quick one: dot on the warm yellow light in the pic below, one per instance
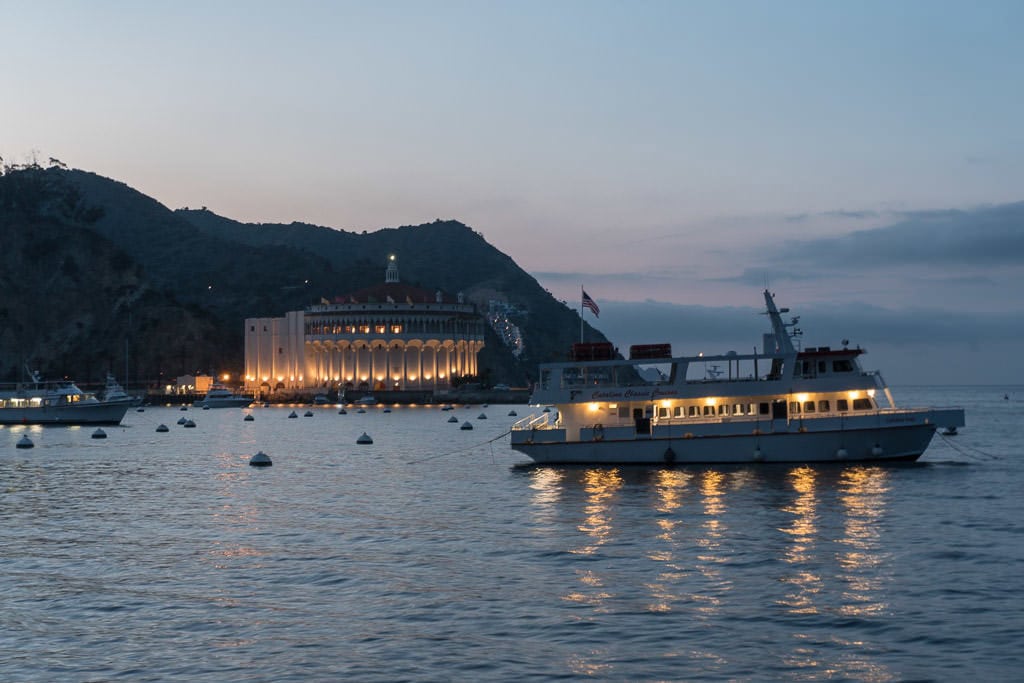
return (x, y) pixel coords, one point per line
(291, 378)
(280, 379)
(426, 377)
(802, 398)
(363, 378)
(613, 406)
(665, 403)
(854, 395)
(412, 378)
(592, 407)
(380, 378)
(225, 377)
(709, 401)
(871, 393)
(266, 378)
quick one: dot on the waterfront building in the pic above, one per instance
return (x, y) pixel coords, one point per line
(391, 336)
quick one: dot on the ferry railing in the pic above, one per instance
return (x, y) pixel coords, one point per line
(533, 422)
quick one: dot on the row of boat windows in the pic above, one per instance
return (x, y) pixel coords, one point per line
(724, 409)
(806, 368)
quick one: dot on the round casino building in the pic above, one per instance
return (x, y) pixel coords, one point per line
(390, 337)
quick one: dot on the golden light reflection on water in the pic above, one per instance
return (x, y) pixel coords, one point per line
(863, 492)
(600, 486)
(805, 584)
(546, 483)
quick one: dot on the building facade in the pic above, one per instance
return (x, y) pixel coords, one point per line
(388, 337)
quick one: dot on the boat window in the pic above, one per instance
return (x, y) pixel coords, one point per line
(763, 409)
(709, 410)
(844, 365)
(842, 404)
(678, 411)
(809, 406)
(822, 365)
(751, 409)
(862, 404)
(723, 409)
(794, 407)
(624, 411)
(694, 411)
(823, 406)
(662, 412)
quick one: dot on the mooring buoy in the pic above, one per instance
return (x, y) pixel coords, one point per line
(189, 424)
(364, 439)
(182, 420)
(248, 418)
(309, 413)
(481, 416)
(99, 434)
(261, 459)
(466, 425)
(513, 413)
(162, 428)
(24, 442)
(342, 412)
(292, 414)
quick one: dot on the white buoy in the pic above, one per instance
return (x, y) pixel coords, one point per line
(309, 413)
(162, 428)
(292, 414)
(261, 459)
(342, 412)
(466, 425)
(453, 419)
(99, 434)
(189, 424)
(481, 416)
(364, 439)
(182, 420)
(248, 418)
(24, 442)
(513, 413)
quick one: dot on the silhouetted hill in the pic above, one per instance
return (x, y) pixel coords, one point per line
(98, 270)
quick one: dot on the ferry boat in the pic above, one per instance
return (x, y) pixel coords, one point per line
(57, 403)
(783, 405)
(219, 396)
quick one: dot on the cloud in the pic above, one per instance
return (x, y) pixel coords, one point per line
(983, 237)
(860, 215)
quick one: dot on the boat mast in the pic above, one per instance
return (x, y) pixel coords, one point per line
(783, 344)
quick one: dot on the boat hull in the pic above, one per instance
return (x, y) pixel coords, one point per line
(899, 444)
(226, 403)
(76, 414)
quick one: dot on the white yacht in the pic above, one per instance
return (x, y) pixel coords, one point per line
(56, 403)
(115, 393)
(780, 405)
(219, 396)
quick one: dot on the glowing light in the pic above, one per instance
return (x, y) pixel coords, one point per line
(665, 403)
(802, 398)
(613, 406)
(593, 407)
(871, 393)
(280, 379)
(854, 395)
(709, 401)
(225, 377)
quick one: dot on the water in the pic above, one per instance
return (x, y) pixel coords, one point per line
(429, 556)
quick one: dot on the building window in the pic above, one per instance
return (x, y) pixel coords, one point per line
(396, 329)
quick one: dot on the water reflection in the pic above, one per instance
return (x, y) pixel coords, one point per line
(712, 542)
(805, 582)
(863, 491)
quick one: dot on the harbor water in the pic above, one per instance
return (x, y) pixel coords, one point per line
(431, 555)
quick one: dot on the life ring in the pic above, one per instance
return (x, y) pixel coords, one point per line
(599, 432)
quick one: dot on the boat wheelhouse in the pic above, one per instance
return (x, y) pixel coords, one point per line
(778, 405)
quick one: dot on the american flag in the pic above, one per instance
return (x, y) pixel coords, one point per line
(591, 304)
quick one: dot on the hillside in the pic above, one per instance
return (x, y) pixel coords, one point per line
(102, 271)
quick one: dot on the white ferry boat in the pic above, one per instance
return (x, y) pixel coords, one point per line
(219, 396)
(57, 403)
(780, 405)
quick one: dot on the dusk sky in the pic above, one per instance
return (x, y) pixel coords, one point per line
(865, 160)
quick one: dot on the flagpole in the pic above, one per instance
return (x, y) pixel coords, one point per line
(581, 314)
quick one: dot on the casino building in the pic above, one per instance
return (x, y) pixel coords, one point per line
(387, 337)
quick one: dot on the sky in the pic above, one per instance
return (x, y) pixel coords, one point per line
(863, 160)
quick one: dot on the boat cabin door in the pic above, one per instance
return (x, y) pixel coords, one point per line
(779, 410)
(643, 424)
